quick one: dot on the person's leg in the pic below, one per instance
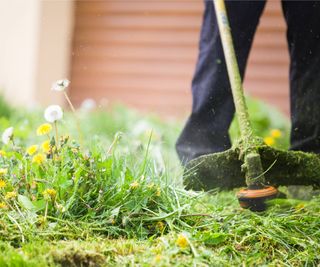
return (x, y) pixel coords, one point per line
(303, 36)
(206, 130)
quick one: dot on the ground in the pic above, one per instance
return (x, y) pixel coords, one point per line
(111, 194)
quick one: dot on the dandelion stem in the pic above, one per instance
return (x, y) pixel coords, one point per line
(114, 142)
(56, 131)
(69, 102)
(76, 117)
(13, 143)
(18, 225)
(19, 211)
(46, 211)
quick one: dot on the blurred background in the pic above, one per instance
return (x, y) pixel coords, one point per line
(140, 52)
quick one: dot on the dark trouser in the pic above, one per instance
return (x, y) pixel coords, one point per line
(206, 130)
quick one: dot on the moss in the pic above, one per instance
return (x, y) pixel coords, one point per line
(76, 256)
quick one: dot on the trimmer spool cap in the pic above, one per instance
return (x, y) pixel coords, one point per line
(255, 198)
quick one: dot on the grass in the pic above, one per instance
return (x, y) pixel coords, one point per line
(119, 201)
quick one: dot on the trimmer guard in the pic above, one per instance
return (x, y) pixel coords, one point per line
(223, 169)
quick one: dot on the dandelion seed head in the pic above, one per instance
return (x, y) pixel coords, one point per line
(7, 135)
(60, 85)
(53, 113)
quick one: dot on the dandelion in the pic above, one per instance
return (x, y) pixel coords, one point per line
(88, 105)
(157, 258)
(112, 221)
(3, 171)
(2, 184)
(32, 149)
(182, 241)
(3, 154)
(160, 226)
(269, 140)
(49, 193)
(300, 206)
(3, 206)
(61, 208)
(60, 85)
(75, 150)
(158, 192)
(46, 147)
(53, 113)
(10, 195)
(44, 128)
(134, 185)
(33, 185)
(276, 133)
(39, 159)
(7, 135)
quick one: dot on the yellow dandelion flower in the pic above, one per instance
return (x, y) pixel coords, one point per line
(3, 153)
(269, 140)
(157, 258)
(32, 149)
(39, 159)
(44, 129)
(182, 241)
(160, 226)
(10, 195)
(3, 206)
(2, 184)
(46, 147)
(49, 193)
(134, 185)
(300, 206)
(158, 192)
(276, 133)
(3, 171)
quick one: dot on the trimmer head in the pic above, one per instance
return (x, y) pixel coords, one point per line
(255, 198)
(261, 165)
(223, 169)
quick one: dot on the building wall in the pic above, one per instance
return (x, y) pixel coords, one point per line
(143, 53)
(34, 49)
(18, 48)
(54, 48)
(138, 52)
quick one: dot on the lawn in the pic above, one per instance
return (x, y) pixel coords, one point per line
(109, 192)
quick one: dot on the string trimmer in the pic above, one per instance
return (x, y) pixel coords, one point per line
(249, 162)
